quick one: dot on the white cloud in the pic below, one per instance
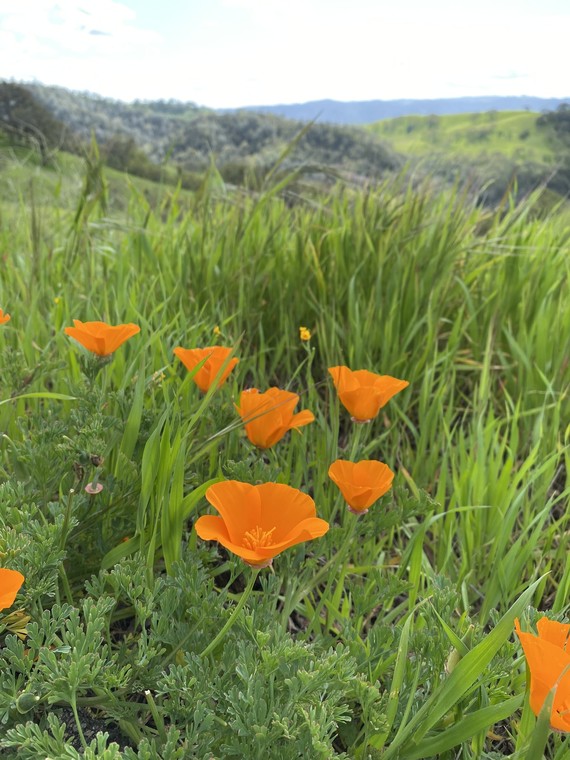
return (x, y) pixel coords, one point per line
(239, 52)
(67, 41)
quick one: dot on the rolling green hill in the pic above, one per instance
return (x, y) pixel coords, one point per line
(189, 137)
(59, 183)
(514, 134)
(490, 154)
(494, 152)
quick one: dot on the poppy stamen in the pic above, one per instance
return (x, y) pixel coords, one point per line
(256, 538)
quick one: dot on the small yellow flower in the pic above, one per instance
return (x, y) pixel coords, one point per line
(217, 330)
(304, 333)
(56, 300)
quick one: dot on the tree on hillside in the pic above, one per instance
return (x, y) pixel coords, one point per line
(121, 152)
(28, 122)
(558, 120)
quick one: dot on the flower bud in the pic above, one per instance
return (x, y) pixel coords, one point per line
(26, 702)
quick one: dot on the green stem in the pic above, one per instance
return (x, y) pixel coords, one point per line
(65, 583)
(287, 603)
(357, 427)
(333, 574)
(157, 717)
(233, 617)
(78, 722)
(66, 519)
(295, 599)
(332, 517)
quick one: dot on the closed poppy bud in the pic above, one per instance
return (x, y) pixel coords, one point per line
(452, 661)
(10, 583)
(258, 522)
(4, 317)
(455, 656)
(268, 416)
(548, 659)
(99, 337)
(26, 702)
(361, 483)
(217, 364)
(363, 393)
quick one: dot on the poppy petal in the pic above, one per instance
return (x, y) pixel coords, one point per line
(99, 337)
(309, 529)
(268, 416)
(549, 665)
(10, 583)
(258, 522)
(361, 483)
(217, 364)
(312, 527)
(283, 507)
(364, 393)
(553, 631)
(301, 419)
(239, 505)
(212, 528)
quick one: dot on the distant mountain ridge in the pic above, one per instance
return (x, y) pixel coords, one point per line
(369, 111)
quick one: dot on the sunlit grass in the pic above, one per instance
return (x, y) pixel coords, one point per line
(509, 133)
(471, 307)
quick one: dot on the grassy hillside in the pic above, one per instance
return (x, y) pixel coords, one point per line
(513, 134)
(488, 154)
(492, 152)
(390, 636)
(59, 183)
(189, 137)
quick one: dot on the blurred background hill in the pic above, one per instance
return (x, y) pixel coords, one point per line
(490, 152)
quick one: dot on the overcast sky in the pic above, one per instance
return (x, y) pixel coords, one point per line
(226, 53)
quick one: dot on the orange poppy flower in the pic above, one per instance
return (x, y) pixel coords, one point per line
(99, 337)
(216, 357)
(362, 392)
(4, 317)
(259, 522)
(548, 658)
(268, 416)
(361, 483)
(10, 582)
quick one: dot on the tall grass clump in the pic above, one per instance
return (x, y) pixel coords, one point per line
(390, 634)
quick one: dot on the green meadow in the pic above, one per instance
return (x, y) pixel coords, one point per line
(392, 635)
(514, 134)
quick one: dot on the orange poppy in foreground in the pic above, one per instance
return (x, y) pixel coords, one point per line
(216, 357)
(10, 583)
(548, 659)
(362, 392)
(99, 337)
(361, 483)
(258, 522)
(268, 416)
(4, 317)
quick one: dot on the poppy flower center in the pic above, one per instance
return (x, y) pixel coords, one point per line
(256, 538)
